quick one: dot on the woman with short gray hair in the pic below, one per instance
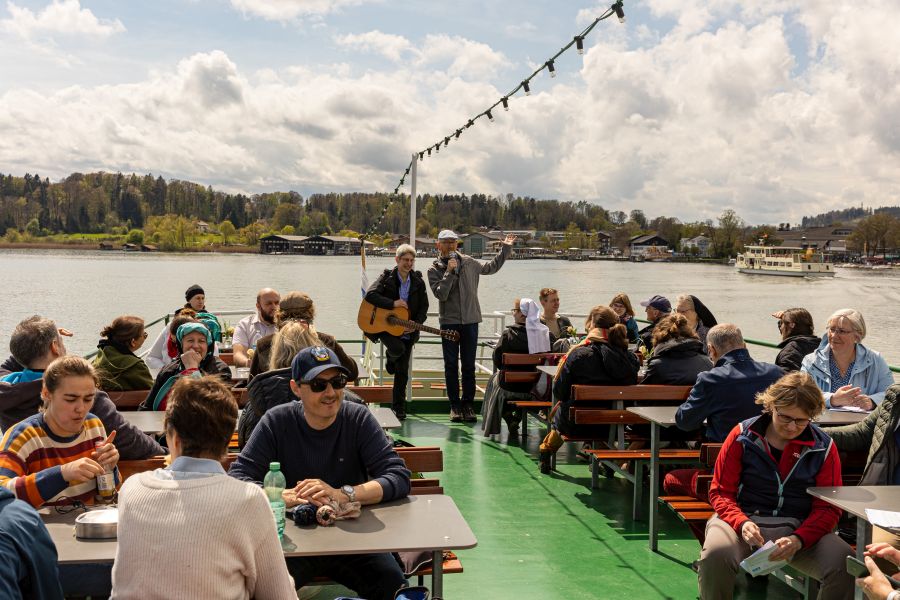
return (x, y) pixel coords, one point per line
(848, 373)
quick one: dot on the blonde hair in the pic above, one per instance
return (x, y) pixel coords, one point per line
(288, 341)
(853, 316)
(795, 389)
(67, 366)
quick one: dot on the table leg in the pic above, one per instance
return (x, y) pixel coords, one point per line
(637, 504)
(437, 574)
(863, 538)
(654, 484)
(620, 405)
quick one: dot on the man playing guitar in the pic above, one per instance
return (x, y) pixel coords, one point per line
(404, 288)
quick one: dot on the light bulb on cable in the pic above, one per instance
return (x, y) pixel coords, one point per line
(490, 116)
(505, 101)
(620, 12)
(551, 68)
(526, 88)
(579, 45)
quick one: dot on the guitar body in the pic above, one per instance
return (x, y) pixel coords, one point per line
(372, 319)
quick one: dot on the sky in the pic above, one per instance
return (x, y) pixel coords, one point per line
(773, 108)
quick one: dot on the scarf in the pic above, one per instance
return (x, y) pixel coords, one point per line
(24, 376)
(538, 333)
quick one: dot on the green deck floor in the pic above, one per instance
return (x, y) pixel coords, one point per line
(549, 536)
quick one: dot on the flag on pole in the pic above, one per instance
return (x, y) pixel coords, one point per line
(363, 278)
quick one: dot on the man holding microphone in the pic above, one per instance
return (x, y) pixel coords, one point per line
(453, 278)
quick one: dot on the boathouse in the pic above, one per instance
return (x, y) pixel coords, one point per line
(282, 244)
(642, 244)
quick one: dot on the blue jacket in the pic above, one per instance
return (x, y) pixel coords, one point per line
(870, 373)
(726, 394)
(28, 568)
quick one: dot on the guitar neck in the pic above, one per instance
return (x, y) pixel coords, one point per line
(413, 325)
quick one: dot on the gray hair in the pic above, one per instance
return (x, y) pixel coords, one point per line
(852, 315)
(404, 249)
(30, 340)
(685, 298)
(725, 337)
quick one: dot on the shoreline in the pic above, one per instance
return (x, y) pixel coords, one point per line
(92, 246)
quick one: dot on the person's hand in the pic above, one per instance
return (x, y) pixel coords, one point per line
(83, 469)
(64, 332)
(787, 548)
(452, 264)
(510, 239)
(315, 491)
(107, 455)
(845, 395)
(864, 402)
(885, 551)
(400, 304)
(191, 359)
(750, 534)
(876, 585)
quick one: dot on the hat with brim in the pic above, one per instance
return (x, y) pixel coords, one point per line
(660, 303)
(447, 234)
(309, 362)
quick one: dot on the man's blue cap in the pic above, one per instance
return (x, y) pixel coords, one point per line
(660, 303)
(309, 362)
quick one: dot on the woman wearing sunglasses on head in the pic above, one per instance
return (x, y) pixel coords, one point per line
(759, 494)
(848, 373)
(797, 338)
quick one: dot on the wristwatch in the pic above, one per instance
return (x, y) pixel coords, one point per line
(350, 492)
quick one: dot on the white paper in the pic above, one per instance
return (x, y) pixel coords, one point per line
(758, 563)
(886, 519)
(848, 408)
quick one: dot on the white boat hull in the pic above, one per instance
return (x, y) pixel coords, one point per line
(787, 273)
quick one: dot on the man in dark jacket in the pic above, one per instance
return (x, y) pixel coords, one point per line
(797, 337)
(400, 287)
(35, 343)
(656, 308)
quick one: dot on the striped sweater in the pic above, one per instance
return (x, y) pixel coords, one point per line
(31, 457)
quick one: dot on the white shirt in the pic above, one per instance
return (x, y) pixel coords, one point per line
(249, 329)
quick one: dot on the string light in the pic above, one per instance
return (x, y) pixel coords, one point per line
(578, 41)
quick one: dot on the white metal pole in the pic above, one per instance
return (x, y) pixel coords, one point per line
(412, 201)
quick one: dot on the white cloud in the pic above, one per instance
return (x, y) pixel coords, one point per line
(521, 30)
(60, 18)
(287, 10)
(684, 122)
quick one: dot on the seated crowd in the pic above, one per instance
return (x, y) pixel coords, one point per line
(62, 435)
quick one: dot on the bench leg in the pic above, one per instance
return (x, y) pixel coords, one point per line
(437, 574)
(595, 472)
(637, 507)
(524, 423)
(654, 485)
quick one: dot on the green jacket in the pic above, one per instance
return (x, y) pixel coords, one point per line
(120, 371)
(875, 434)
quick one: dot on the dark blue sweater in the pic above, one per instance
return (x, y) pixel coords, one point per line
(28, 567)
(352, 450)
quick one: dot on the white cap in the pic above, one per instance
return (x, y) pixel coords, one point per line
(447, 234)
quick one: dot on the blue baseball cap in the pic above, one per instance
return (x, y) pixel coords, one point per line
(660, 303)
(309, 362)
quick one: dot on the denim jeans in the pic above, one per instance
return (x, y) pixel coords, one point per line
(371, 576)
(461, 352)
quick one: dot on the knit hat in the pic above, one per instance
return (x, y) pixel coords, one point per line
(309, 362)
(193, 291)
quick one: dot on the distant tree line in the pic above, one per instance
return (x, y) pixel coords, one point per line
(837, 217)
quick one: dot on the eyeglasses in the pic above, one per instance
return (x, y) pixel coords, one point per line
(838, 331)
(319, 385)
(782, 323)
(516, 309)
(786, 420)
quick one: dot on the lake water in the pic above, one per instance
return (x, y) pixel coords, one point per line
(83, 291)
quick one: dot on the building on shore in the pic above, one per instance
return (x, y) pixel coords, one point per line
(321, 245)
(831, 240)
(644, 245)
(696, 246)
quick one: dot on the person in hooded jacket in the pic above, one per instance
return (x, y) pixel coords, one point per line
(678, 355)
(879, 436)
(797, 338)
(196, 359)
(116, 363)
(848, 373)
(400, 287)
(603, 359)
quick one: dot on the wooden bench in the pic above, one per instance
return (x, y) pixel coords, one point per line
(128, 400)
(696, 509)
(522, 368)
(604, 405)
(373, 394)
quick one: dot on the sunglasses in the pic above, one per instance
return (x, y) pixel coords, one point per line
(318, 385)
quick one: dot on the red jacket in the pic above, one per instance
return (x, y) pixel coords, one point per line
(747, 479)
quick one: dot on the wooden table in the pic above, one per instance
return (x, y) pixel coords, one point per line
(385, 417)
(855, 500)
(664, 416)
(418, 523)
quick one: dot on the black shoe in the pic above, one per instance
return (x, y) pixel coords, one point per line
(468, 414)
(400, 412)
(456, 415)
(544, 464)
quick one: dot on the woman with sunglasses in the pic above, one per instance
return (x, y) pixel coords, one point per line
(797, 338)
(117, 366)
(848, 373)
(759, 494)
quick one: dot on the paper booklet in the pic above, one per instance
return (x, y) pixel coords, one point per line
(886, 519)
(758, 563)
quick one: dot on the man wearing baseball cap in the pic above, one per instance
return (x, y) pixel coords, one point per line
(333, 449)
(656, 308)
(453, 278)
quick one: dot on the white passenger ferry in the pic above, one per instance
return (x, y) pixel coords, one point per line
(781, 260)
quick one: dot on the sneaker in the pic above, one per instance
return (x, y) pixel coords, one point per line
(456, 415)
(468, 413)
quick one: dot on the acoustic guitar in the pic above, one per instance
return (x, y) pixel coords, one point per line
(394, 321)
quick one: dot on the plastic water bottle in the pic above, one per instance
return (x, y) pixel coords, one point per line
(274, 485)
